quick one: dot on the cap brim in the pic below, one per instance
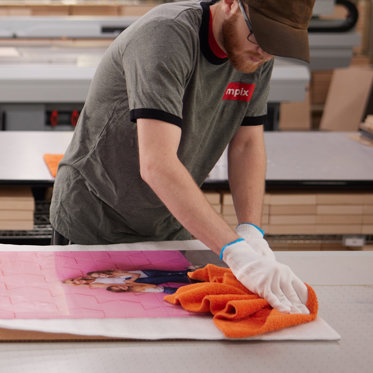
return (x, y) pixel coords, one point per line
(279, 39)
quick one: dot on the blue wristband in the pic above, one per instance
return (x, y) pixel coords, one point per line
(228, 244)
(260, 230)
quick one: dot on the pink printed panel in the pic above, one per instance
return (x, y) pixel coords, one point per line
(41, 285)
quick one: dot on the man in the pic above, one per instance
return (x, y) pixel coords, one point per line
(171, 92)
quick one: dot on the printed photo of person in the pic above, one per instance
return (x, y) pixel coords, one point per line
(141, 281)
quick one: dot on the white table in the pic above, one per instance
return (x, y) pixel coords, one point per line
(343, 282)
(324, 160)
(295, 159)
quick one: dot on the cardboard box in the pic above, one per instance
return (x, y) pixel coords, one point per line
(296, 115)
(339, 209)
(367, 229)
(347, 98)
(135, 10)
(278, 245)
(338, 229)
(227, 199)
(265, 209)
(16, 225)
(265, 219)
(228, 210)
(16, 198)
(19, 12)
(290, 219)
(368, 210)
(93, 10)
(320, 82)
(339, 219)
(213, 197)
(290, 229)
(293, 199)
(49, 10)
(16, 215)
(367, 219)
(293, 210)
(217, 208)
(231, 219)
(344, 198)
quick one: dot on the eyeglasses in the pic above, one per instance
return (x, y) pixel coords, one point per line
(251, 36)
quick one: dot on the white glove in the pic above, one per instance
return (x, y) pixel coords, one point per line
(271, 280)
(254, 237)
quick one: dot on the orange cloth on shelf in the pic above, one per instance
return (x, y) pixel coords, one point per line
(52, 161)
(237, 311)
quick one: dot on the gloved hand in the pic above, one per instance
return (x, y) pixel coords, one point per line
(254, 237)
(271, 280)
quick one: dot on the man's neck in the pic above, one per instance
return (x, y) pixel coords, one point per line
(216, 18)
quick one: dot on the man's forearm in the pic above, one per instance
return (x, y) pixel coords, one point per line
(162, 170)
(177, 190)
(247, 169)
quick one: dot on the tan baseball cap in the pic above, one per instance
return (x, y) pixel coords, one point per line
(280, 26)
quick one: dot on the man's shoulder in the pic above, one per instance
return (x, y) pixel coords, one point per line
(168, 26)
(181, 12)
(177, 7)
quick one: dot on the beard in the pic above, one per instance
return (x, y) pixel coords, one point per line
(244, 61)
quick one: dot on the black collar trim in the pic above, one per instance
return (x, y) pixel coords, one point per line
(204, 35)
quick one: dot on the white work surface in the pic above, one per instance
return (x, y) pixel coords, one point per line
(312, 158)
(343, 282)
(307, 157)
(199, 327)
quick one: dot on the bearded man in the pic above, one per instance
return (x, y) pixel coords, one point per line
(169, 95)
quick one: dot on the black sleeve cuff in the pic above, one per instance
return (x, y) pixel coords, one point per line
(254, 121)
(155, 114)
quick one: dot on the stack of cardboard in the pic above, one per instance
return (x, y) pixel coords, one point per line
(214, 200)
(327, 213)
(227, 210)
(97, 10)
(320, 82)
(74, 8)
(311, 213)
(296, 116)
(347, 98)
(229, 214)
(17, 208)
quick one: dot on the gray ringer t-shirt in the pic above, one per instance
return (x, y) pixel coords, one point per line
(161, 67)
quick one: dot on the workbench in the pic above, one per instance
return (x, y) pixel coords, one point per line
(302, 160)
(297, 162)
(343, 282)
(43, 78)
(311, 160)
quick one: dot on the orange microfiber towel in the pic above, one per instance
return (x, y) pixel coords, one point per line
(237, 311)
(52, 161)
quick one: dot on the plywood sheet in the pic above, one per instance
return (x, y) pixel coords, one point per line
(347, 98)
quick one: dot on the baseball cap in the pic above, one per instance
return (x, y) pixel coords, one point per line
(280, 26)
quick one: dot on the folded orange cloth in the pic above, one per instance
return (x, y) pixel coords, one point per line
(52, 161)
(237, 312)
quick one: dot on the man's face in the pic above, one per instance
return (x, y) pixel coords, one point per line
(244, 55)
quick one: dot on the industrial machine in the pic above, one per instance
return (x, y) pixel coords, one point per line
(47, 64)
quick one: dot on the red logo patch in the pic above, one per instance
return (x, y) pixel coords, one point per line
(239, 91)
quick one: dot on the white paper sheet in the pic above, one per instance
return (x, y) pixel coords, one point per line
(198, 327)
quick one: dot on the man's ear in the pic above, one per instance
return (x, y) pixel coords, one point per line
(229, 6)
